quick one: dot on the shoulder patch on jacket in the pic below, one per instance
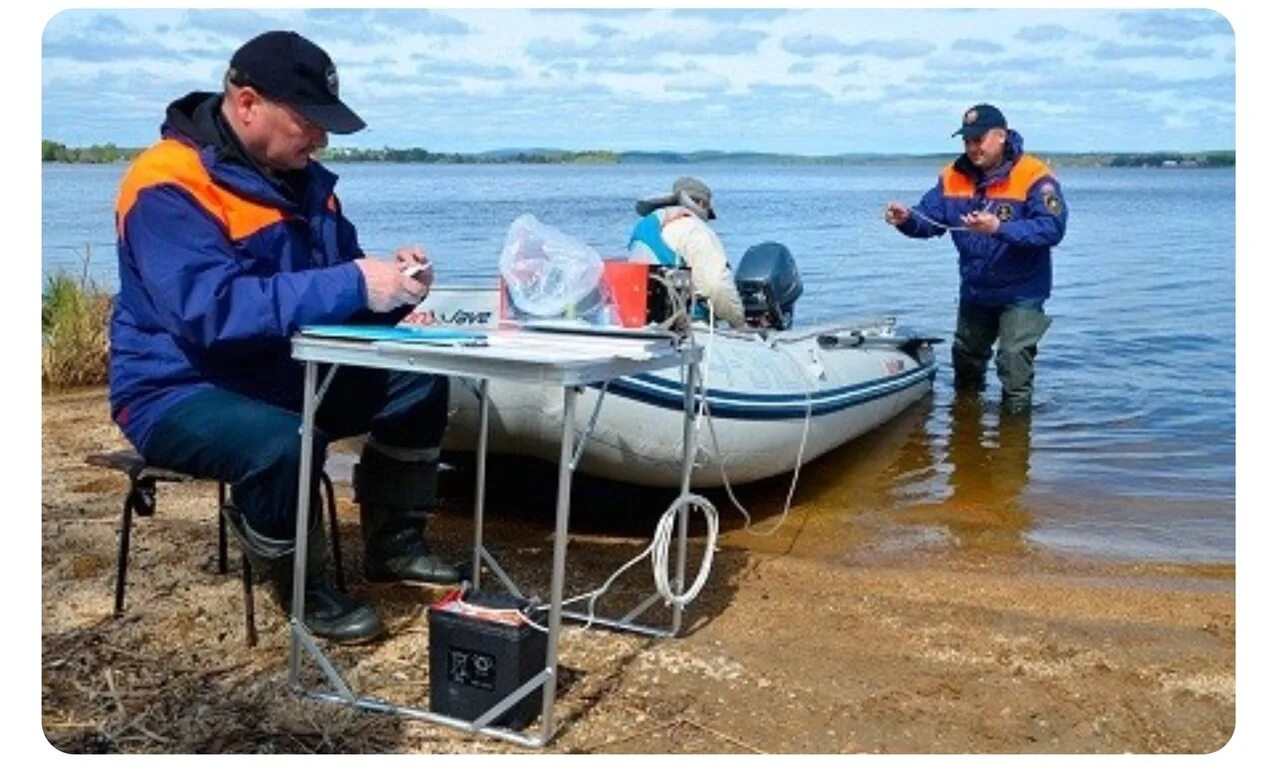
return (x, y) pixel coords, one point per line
(1052, 201)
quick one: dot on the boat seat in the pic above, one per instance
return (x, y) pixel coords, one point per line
(140, 498)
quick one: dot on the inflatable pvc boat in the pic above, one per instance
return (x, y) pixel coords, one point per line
(766, 394)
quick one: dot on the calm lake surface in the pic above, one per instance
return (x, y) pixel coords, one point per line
(1131, 449)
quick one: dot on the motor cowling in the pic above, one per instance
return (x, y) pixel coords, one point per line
(769, 283)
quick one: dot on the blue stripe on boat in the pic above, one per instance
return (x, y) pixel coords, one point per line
(669, 394)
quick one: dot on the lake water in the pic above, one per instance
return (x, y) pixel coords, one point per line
(1131, 450)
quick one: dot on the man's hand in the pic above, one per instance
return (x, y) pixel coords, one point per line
(387, 287)
(896, 214)
(414, 262)
(982, 222)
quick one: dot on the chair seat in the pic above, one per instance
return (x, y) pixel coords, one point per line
(141, 498)
(132, 464)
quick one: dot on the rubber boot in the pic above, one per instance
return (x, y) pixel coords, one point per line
(328, 612)
(394, 495)
(968, 378)
(1021, 329)
(976, 330)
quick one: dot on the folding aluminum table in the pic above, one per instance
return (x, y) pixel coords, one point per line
(567, 360)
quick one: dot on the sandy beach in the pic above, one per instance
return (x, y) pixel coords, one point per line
(890, 650)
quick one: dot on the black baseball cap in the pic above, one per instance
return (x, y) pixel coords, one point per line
(289, 68)
(979, 119)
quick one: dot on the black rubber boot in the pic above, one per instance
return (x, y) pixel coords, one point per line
(328, 612)
(970, 370)
(394, 497)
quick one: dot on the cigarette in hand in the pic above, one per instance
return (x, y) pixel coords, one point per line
(414, 269)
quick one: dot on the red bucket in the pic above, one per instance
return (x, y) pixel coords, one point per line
(628, 284)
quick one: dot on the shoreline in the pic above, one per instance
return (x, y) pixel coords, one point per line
(1181, 160)
(899, 651)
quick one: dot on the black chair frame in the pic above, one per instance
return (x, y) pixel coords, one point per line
(140, 498)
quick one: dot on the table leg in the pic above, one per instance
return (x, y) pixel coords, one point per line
(558, 558)
(304, 510)
(686, 472)
(482, 456)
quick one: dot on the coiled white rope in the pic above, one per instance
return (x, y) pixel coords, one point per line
(662, 545)
(659, 549)
(659, 553)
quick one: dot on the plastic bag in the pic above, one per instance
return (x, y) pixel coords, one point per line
(548, 274)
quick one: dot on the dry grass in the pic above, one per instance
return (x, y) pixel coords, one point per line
(74, 316)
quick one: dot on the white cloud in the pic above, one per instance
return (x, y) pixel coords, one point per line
(617, 47)
(973, 45)
(814, 44)
(733, 15)
(473, 70)
(1175, 25)
(603, 30)
(1043, 33)
(1114, 51)
(893, 49)
(430, 65)
(698, 82)
(233, 26)
(383, 24)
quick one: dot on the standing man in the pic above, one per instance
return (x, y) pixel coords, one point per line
(1005, 212)
(673, 232)
(231, 239)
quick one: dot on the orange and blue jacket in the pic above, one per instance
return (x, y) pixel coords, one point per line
(219, 265)
(1013, 265)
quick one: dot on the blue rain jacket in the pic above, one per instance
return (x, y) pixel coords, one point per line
(1013, 265)
(220, 263)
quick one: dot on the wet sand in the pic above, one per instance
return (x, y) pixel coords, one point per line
(846, 630)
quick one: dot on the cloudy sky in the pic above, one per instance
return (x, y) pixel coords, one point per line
(821, 81)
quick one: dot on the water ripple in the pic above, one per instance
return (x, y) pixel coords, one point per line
(1133, 434)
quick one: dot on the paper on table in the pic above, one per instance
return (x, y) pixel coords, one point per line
(420, 334)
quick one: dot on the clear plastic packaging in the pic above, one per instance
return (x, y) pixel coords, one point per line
(548, 274)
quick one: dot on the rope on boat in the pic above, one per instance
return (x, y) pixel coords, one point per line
(795, 476)
(704, 410)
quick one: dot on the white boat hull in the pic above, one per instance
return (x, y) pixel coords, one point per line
(765, 397)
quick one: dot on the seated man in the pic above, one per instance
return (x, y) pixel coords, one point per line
(673, 231)
(230, 240)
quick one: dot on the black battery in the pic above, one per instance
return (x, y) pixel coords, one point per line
(480, 652)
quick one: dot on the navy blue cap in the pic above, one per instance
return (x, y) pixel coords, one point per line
(289, 68)
(979, 119)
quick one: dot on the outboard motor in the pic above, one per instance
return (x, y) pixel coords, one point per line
(769, 284)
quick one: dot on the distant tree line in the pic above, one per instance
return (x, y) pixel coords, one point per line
(1171, 159)
(420, 155)
(57, 152)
